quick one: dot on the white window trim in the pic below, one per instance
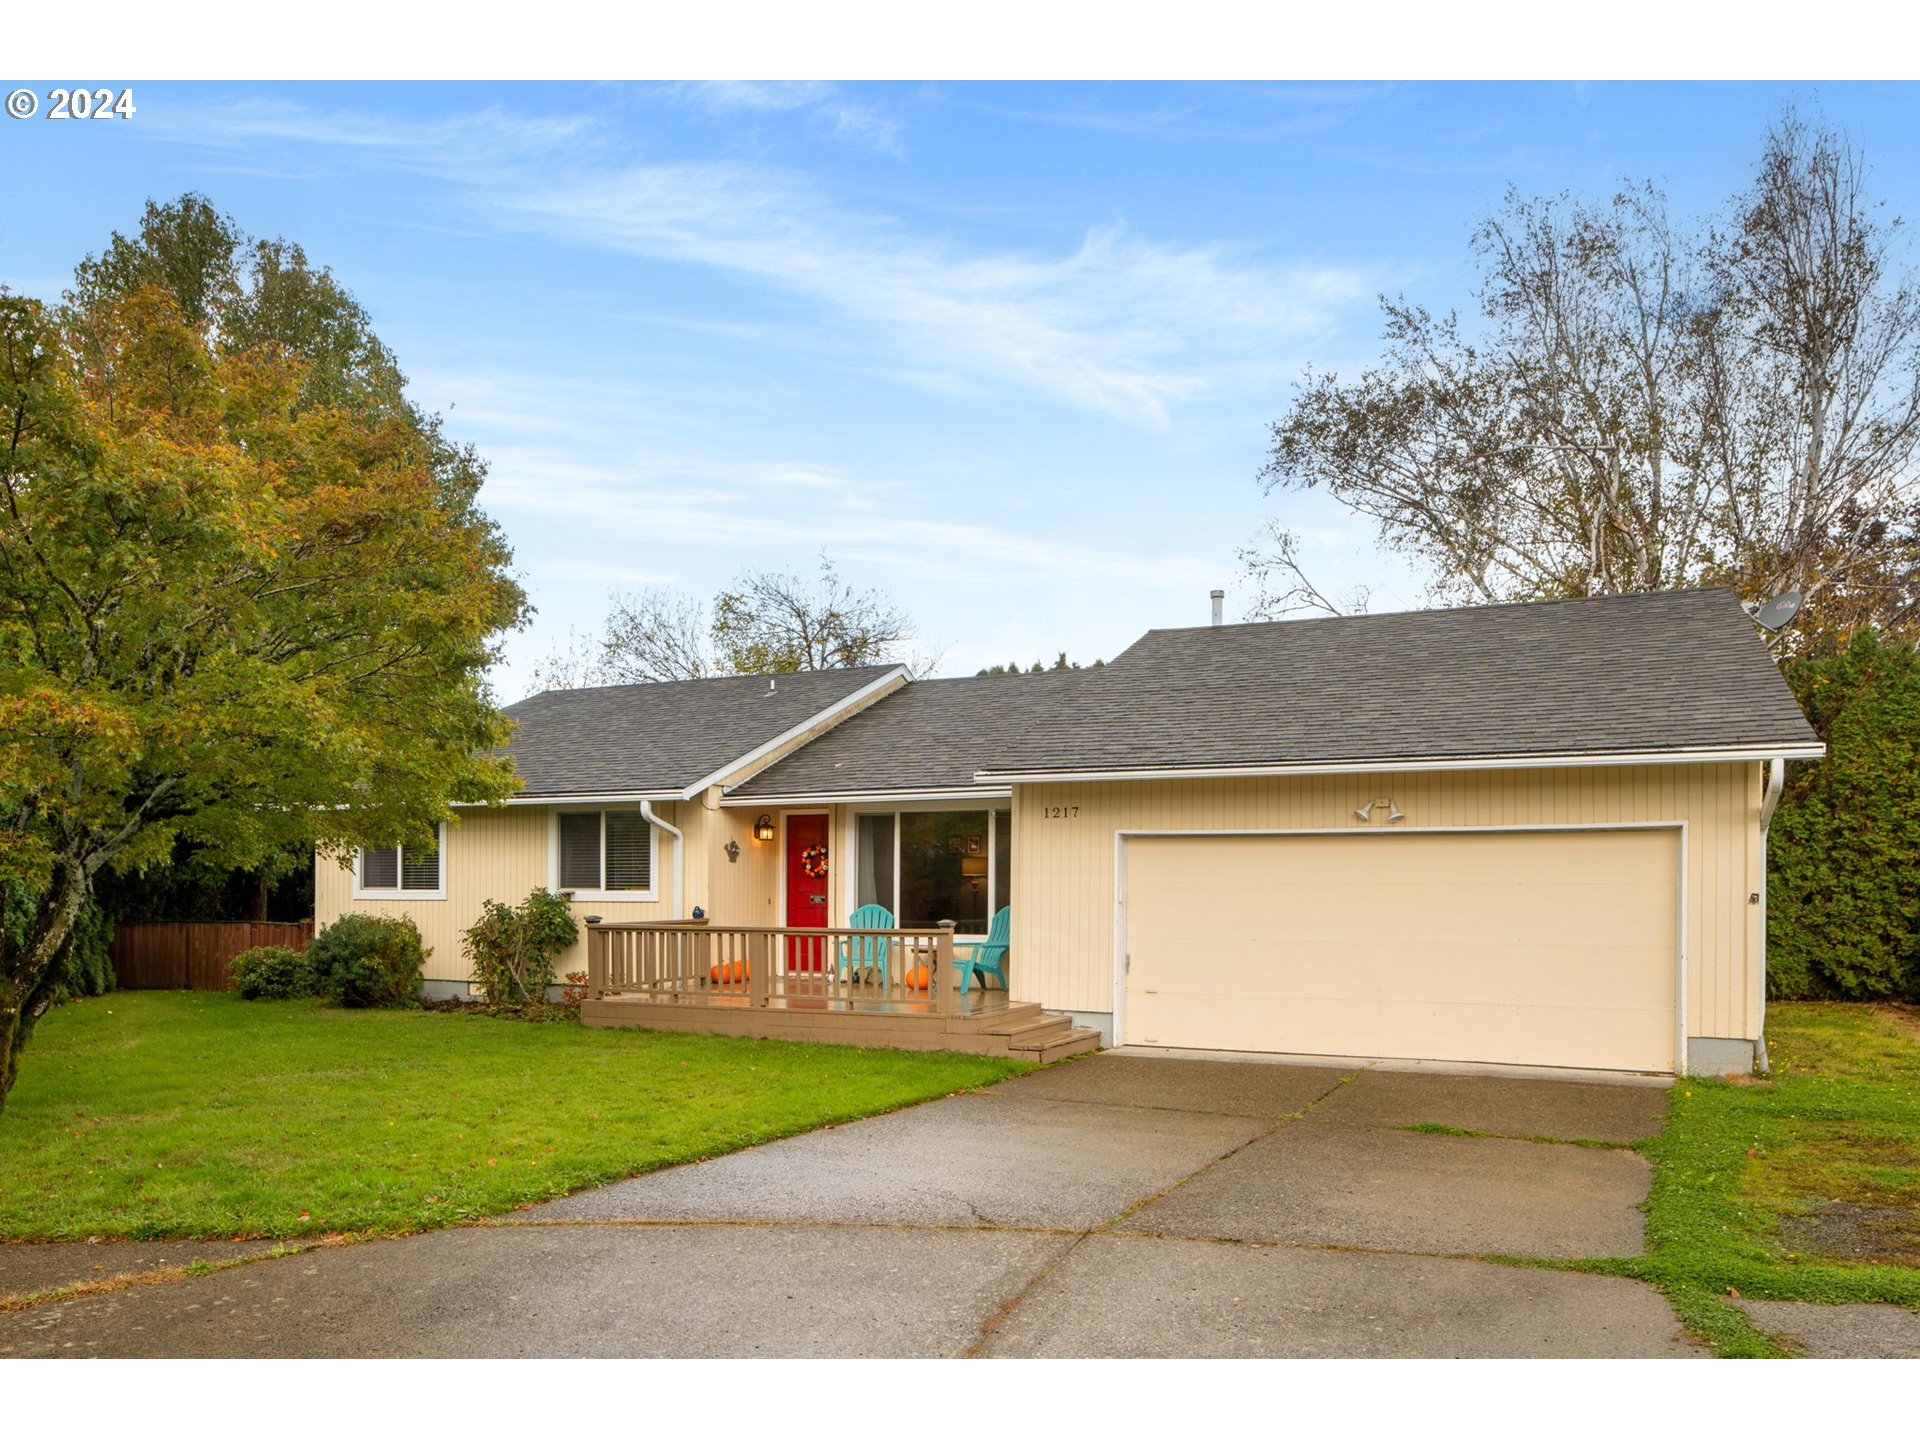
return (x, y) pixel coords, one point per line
(603, 897)
(439, 892)
(850, 883)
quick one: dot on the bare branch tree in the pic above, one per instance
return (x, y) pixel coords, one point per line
(1642, 408)
(1280, 581)
(572, 666)
(656, 634)
(776, 621)
(765, 622)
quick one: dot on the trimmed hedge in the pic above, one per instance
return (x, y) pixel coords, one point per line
(272, 972)
(369, 961)
(1843, 883)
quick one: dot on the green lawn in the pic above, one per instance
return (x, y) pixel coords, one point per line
(157, 1114)
(1802, 1187)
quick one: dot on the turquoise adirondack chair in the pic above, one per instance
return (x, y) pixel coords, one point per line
(990, 956)
(861, 952)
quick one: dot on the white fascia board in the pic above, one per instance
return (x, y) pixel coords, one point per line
(887, 681)
(865, 797)
(1378, 767)
(621, 797)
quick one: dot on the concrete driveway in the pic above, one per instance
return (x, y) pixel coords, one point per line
(1122, 1205)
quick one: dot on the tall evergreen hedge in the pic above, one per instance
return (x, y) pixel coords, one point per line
(1843, 885)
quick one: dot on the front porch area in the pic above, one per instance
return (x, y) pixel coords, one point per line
(895, 989)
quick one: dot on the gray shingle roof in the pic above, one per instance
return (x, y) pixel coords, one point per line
(930, 735)
(624, 739)
(1677, 670)
(1668, 671)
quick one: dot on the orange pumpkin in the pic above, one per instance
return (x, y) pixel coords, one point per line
(727, 972)
(918, 978)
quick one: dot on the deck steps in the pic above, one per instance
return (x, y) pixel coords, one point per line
(1021, 1024)
(1051, 1037)
(1074, 1040)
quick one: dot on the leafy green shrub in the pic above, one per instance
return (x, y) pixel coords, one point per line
(271, 972)
(1843, 856)
(84, 965)
(511, 948)
(86, 960)
(369, 961)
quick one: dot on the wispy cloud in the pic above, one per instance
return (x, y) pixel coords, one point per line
(658, 502)
(721, 97)
(453, 146)
(826, 108)
(1118, 323)
(1260, 114)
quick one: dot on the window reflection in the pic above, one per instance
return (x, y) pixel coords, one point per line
(951, 865)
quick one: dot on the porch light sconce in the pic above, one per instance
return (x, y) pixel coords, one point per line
(763, 828)
(1365, 813)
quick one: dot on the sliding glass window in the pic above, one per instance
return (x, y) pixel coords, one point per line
(874, 883)
(932, 865)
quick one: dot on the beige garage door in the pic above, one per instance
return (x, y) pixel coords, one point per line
(1538, 948)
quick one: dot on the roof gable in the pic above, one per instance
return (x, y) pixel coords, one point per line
(664, 739)
(928, 735)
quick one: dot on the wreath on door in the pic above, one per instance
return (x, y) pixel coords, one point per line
(813, 862)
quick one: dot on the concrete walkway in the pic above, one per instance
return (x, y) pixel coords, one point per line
(1117, 1206)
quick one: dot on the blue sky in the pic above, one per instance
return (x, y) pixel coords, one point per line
(1005, 351)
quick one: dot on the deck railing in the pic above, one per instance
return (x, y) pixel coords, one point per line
(695, 963)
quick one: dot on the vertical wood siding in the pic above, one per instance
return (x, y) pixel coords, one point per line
(501, 855)
(741, 892)
(1063, 869)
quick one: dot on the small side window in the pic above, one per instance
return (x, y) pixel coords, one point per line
(380, 869)
(402, 869)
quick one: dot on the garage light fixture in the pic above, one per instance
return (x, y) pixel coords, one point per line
(1365, 813)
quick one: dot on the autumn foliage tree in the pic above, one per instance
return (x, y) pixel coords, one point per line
(247, 598)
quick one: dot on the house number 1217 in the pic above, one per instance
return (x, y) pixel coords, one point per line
(1059, 812)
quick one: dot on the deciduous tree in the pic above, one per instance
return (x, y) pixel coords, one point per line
(247, 597)
(1643, 405)
(764, 622)
(770, 621)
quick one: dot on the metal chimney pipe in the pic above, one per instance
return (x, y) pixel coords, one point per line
(1219, 599)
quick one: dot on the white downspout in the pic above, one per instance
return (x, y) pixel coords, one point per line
(679, 856)
(1776, 782)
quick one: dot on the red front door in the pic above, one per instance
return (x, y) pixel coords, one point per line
(809, 873)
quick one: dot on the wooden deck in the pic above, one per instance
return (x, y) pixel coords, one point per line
(896, 989)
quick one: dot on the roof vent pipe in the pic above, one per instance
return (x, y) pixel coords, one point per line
(1219, 598)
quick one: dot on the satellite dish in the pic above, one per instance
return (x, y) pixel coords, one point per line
(1778, 611)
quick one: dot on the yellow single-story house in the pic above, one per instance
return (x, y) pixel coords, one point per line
(1516, 834)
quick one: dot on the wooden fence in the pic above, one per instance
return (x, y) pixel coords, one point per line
(193, 954)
